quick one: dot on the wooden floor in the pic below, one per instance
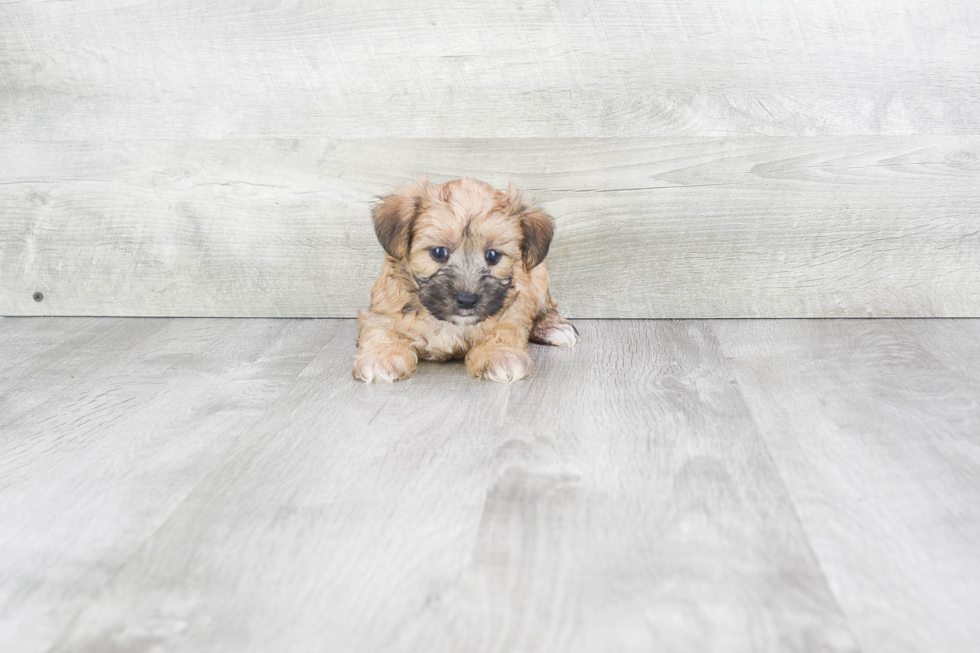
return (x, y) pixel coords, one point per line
(225, 485)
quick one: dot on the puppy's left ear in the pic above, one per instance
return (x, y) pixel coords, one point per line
(538, 227)
(394, 217)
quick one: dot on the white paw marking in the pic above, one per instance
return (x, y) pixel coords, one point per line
(375, 369)
(562, 335)
(507, 368)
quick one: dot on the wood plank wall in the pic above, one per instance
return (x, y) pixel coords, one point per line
(733, 158)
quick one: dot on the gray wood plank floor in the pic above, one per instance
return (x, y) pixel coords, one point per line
(225, 485)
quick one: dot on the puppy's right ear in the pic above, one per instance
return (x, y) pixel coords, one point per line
(395, 215)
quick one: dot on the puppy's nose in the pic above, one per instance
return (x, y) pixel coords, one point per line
(467, 299)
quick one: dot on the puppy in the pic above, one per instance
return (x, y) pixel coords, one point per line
(464, 276)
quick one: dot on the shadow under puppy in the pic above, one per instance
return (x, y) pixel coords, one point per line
(464, 275)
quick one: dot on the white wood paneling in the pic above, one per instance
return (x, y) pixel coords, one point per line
(124, 69)
(720, 159)
(646, 228)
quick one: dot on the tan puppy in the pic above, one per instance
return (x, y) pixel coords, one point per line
(464, 275)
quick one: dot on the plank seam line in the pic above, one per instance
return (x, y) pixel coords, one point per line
(789, 496)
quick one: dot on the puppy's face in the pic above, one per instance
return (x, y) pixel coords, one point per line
(461, 243)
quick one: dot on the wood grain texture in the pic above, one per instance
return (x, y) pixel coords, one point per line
(105, 427)
(124, 70)
(875, 427)
(619, 500)
(794, 159)
(726, 227)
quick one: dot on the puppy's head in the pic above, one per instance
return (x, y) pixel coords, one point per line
(462, 242)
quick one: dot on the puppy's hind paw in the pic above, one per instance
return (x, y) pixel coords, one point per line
(375, 367)
(500, 364)
(552, 329)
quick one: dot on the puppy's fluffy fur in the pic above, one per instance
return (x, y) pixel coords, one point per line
(464, 276)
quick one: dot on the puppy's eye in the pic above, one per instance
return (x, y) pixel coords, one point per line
(493, 256)
(439, 253)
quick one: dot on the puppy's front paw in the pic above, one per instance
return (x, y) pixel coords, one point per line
(385, 367)
(501, 364)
